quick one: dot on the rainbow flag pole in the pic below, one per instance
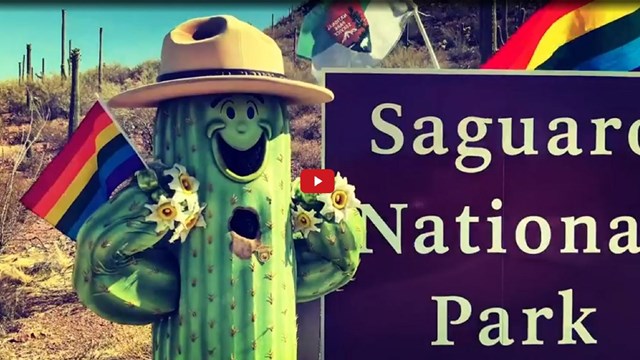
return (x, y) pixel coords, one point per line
(95, 161)
(117, 124)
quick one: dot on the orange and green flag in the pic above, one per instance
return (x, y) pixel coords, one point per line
(95, 161)
(575, 35)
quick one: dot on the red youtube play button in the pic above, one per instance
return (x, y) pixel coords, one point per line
(317, 181)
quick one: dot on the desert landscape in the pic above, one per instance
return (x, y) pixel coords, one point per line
(40, 317)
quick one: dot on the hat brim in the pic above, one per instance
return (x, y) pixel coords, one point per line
(293, 91)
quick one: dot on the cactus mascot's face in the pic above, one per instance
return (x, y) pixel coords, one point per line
(240, 129)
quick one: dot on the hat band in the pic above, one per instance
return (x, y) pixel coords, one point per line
(216, 72)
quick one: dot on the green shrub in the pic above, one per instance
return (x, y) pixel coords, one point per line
(12, 100)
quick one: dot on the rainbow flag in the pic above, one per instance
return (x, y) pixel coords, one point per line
(95, 161)
(575, 35)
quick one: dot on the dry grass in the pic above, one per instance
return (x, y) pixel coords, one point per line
(413, 57)
(41, 318)
(54, 135)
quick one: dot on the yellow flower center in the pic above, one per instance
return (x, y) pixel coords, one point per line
(303, 221)
(339, 199)
(166, 212)
(186, 183)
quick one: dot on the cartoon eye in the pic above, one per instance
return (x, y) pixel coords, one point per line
(251, 112)
(231, 113)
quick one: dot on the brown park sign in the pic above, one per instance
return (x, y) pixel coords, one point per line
(502, 215)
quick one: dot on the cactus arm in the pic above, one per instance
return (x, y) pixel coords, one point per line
(120, 273)
(326, 258)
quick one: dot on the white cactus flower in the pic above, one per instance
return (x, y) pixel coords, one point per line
(305, 221)
(340, 200)
(164, 214)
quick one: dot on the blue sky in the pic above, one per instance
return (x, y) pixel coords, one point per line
(131, 34)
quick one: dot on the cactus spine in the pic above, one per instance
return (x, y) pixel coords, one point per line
(230, 308)
(74, 104)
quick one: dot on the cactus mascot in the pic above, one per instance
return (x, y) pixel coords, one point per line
(211, 245)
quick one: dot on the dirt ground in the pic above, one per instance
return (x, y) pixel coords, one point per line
(55, 325)
(40, 316)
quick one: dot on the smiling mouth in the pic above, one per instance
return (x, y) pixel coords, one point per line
(242, 163)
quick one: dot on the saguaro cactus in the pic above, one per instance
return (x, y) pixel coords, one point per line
(488, 30)
(523, 16)
(504, 34)
(74, 104)
(100, 62)
(19, 73)
(233, 290)
(42, 71)
(29, 78)
(63, 73)
(69, 56)
(29, 64)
